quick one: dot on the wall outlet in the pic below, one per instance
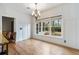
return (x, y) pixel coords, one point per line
(64, 41)
(20, 28)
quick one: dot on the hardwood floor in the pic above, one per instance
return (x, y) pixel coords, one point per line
(36, 47)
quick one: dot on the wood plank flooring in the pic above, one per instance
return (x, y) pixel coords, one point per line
(37, 47)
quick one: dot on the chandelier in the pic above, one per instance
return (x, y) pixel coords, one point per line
(36, 12)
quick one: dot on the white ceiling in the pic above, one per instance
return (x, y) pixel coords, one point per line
(29, 7)
(41, 6)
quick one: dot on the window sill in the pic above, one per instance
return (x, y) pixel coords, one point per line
(50, 36)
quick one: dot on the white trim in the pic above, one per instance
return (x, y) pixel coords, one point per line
(49, 20)
(53, 36)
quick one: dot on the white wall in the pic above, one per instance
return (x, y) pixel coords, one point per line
(70, 15)
(21, 20)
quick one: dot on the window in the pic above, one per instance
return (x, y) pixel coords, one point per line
(56, 27)
(43, 26)
(46, 28)
(39, 26)
(51, 26)
(36, 28)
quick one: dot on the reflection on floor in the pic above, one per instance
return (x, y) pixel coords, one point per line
(36, 47)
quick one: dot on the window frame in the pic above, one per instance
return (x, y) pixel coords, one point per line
(62, 28)
(50, 20)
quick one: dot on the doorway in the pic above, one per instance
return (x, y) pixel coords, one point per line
(8, 28)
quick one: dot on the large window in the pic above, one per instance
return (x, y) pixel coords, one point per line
(51, 26)
(39, 26)
(56, 27)
(46, 28)
(36, 28)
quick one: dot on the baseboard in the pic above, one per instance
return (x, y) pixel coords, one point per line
(22, 40)
(56, 44)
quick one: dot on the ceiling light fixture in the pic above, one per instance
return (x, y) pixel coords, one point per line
(36, 12)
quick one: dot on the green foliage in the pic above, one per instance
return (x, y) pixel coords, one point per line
(56, 29)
